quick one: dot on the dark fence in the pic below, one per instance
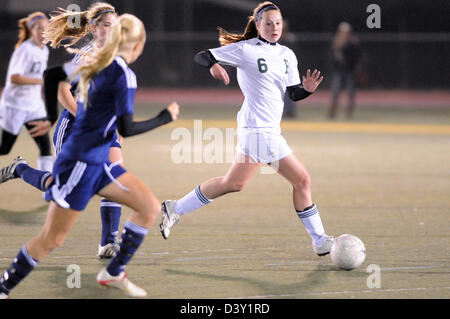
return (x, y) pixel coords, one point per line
(393, 60)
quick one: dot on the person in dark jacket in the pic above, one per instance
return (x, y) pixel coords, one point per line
(345, 49)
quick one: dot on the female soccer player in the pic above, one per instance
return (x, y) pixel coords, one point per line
(106, 102)
(21, 102)
(96, 21)
(265, 70)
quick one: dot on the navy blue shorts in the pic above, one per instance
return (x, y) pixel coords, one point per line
(75, 183)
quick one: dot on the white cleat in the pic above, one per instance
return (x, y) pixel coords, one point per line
(7, 172)
(169, 217)
(108, 251)
(3, 296)
(325, 248)
(120, 282)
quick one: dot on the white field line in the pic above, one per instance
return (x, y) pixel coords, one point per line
(343, 292)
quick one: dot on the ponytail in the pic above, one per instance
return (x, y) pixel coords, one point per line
(251, 31)
(73, 26)
(25, 25)
(64, 25)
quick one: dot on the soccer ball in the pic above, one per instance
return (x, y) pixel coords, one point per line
(348, 252)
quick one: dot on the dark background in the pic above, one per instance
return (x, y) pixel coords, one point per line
(411, 50)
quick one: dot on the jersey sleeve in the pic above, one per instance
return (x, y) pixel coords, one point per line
(124, 93)
(293, 74)
(231, 54)
(20, 60)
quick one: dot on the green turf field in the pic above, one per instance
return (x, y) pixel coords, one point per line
(383, 176)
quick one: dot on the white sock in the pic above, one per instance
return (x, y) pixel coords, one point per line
(191, 202)
(45, 163)
(313, 224)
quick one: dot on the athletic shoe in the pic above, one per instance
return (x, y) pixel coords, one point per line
(120, 282)
(108, 251)
(325, 248)
(3, 296)
(169, 217)
(7, 172)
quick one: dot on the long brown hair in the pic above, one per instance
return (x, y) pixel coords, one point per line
(25, 25)
(60, 29)
(250, 31)
(125, 31)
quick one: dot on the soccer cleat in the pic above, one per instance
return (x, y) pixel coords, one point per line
(3, 296)
(325, 248)
(120, 282)
(7, 172)
(108, 251)
(169, 217)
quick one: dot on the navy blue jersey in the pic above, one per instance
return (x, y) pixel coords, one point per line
(111, 95)
(66, 119)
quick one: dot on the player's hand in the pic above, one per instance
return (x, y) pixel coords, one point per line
(219, 73)
(174, 110)
(311, 81)
(39, 128)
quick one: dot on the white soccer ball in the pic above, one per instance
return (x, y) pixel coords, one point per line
(348, 252)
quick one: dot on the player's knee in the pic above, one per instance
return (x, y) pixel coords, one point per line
(151, 207)
(154, 208)
(303, 182)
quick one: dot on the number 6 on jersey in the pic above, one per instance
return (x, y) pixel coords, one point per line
(262, 67)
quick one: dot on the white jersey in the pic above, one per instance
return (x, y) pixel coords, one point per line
(27, 60)
(264, 71)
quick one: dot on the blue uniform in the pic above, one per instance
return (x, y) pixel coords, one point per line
(65, 121)
(82, 168)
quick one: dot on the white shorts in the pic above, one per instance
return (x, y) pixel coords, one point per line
(263, 147)
(12, 119)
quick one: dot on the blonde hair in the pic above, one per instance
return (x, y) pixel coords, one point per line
(26, 24)
(60, 29)
(250, 32)
(127, 30)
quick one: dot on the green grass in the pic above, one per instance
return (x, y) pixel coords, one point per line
(391, 190)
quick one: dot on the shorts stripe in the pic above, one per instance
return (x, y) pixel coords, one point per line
(111, 177)
(59, 194)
